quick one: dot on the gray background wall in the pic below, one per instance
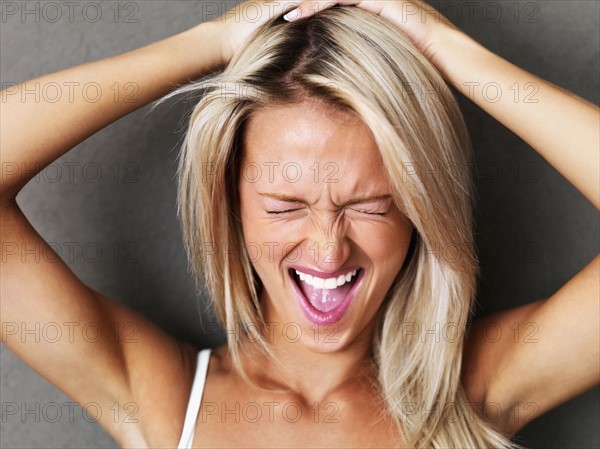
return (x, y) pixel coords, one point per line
(534, 230)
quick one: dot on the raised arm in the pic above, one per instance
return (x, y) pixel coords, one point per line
(107, 354)
(39, 291)
(558, 124)
(35, 131)
(527, 376)
(524, 379)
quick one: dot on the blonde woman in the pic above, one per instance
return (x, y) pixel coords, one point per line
(322, 171)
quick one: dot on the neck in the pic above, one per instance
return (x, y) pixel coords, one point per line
(312, 376)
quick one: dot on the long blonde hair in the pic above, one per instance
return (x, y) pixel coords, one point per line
(352, 59)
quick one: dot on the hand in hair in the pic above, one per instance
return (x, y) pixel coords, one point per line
(237, 25)
(420, 21)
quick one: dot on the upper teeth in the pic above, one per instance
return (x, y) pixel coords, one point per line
(330, 283)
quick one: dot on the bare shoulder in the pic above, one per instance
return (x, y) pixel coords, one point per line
(137, 374)
(163, 389)
(169, 382)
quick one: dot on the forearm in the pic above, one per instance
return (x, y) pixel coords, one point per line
(43, 118)
(559, 125)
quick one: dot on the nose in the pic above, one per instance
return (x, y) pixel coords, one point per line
(327, 246)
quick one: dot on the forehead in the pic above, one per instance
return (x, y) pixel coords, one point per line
(313, 136)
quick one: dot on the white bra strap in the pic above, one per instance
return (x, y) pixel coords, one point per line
(191, 414)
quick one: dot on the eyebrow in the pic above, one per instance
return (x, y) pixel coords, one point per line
(293, 199)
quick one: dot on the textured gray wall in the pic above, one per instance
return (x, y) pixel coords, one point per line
(534, 230)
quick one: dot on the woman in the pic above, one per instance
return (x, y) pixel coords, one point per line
(371, 217)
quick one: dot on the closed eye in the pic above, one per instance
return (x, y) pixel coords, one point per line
(382, 214)
(279, 212)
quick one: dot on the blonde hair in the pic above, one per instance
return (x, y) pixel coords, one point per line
(349, 58)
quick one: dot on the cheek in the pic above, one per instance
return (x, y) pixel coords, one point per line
(390, 247)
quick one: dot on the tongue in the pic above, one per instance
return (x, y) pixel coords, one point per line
(325, 300)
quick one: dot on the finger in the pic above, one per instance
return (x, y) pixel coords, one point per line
(308, 8)
(301, 11)
(283, 7)
(255, 13)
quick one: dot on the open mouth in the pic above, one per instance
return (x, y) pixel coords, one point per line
(325, 300)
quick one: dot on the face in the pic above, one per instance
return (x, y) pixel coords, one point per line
(319, 223)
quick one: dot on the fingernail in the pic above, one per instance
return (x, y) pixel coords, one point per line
(292, 15)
